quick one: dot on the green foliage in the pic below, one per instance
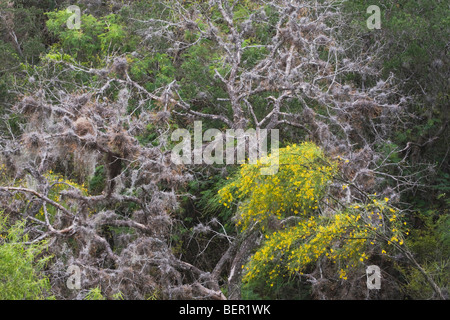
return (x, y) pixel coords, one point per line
(149, 136)
(431, 245)
(154, 295)
(252, 54)
(443, 185)
(95, 294)
(198, 66)
(23, 20)
(28, 27)
(97, 181)
(415, 36)
(209, 201)
(21, 264)
(155, 71)
(281, 288)
(96, 38)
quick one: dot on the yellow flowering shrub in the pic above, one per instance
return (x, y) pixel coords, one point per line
(294, 190)
(345, 237)
(3, 173)
(58, 184)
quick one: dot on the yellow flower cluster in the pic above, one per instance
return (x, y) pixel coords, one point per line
(338, 238)
(346, 238)
(294, 190)
(58, 183)
(3, 172)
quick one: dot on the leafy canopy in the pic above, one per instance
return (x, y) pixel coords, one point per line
(96, 38)
(20, 264)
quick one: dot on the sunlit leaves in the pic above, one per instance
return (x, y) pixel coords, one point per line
(20, 264)
(95, 38)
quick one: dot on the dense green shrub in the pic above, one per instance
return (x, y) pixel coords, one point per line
(21, 264)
